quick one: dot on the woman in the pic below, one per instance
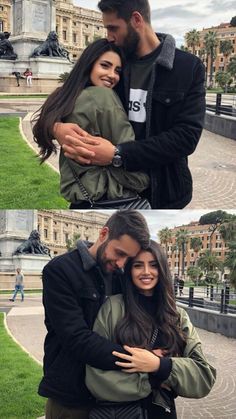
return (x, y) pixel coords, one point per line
(146, 316)
(87, 98)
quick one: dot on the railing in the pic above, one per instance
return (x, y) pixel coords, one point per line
(221, 104)
(210, 297)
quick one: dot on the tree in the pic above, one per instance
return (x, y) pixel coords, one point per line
(209, 262)
(210, 44)
(63, 77)
(193, 39)
(232, 67)
(72, 243)
(228, 229)
(181, 241)
(213, 217)
(224, 80)
(194, 273)
(230, 262)
(226, 48)
(233, 21)
(165, 237)
(196, 245)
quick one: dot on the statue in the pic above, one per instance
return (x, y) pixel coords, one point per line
(51, 48)
(33, 246)
(6, 48)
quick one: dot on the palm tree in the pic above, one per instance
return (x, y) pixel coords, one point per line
(193, 39)
(181, 241)
(230, 262)
(228, 230)
(210, 44)
(226, 47)
(196, 245)
(232, 66)
(210, 263)
(165, 237)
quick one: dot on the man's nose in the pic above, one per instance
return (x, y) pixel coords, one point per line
(110, 37)
(120, 263)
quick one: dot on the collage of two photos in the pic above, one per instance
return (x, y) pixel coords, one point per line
(117, 209)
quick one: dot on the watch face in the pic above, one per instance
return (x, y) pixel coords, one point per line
(117, 161)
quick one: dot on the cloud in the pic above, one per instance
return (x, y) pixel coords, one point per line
(176, 12)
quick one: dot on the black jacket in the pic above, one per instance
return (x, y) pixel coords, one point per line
(73, 291)
(175, 116)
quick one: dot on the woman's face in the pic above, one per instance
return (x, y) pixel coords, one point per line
(144, 272)
(106, 70)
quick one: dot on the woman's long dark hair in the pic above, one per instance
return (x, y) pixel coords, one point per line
(137, 326)
(61, 102)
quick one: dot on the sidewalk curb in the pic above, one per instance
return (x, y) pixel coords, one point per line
(18, 343)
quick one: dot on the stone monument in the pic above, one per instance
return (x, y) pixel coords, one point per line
(15, 228)
(32, 21)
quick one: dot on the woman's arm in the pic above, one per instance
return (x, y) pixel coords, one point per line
(114, 385)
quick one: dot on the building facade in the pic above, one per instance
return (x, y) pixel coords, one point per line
(5, 15)
(224, 32)
(219, 247)
(56, 227)
(76, 26)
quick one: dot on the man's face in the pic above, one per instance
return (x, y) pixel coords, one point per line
(121, 33)
(113, 254)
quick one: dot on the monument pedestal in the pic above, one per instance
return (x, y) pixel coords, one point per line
(30, 263)
(46, 72)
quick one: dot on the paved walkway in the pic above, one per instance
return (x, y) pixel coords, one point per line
(25, 322)
(213, 164)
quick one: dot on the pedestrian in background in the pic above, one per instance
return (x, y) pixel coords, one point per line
(181, 286)
(28, 74)
(19, 285)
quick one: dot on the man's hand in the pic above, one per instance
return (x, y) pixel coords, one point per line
(82, 147)
(140, 360)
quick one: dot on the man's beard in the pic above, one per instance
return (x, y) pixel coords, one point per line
(131, 42)
(101, 259)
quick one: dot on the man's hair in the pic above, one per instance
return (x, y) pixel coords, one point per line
(130, 222)
(125, 8)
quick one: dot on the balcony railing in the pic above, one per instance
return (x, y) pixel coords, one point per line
(221, 104)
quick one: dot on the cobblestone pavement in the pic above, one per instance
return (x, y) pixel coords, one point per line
(213, 164)
(25, 321)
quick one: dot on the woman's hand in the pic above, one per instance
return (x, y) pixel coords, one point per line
(140, 360)
(82, 147)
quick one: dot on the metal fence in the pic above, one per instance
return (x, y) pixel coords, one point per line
(219, 103)
(210, 297)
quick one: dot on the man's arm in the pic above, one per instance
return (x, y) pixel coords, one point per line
(65, 317)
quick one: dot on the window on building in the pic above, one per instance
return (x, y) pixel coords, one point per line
(45, 218)
(64, 19)
(64, 35)
(1, 26)
(55, 222)
(86, 238)
(56, 29)
(45, 231)
(55, 253)
(86, 26)
(74, 23)
(55, 235)
(74, 37)
(1, 8)
(86, 40)
(66, 235)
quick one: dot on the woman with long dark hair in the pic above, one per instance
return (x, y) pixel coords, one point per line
(87, 98)
(146, 316)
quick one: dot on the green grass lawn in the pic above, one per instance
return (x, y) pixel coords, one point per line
(19, 379)
(23, 182)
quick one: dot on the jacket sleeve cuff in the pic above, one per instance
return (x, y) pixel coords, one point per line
(157, 377)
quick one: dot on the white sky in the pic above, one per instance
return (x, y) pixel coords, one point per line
(179, 16)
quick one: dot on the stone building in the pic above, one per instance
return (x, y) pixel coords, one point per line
(57, 226)
(194, 229)
(5, 15)
(76, 26)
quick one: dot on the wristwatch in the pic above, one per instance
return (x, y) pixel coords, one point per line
(117, 159)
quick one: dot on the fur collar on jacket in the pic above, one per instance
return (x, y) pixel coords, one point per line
(167, 54)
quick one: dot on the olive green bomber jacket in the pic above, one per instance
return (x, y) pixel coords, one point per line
(99, 111)
(191, 375)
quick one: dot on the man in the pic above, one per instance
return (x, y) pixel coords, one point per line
(163, 93)
(74, 288)
(19, 285)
